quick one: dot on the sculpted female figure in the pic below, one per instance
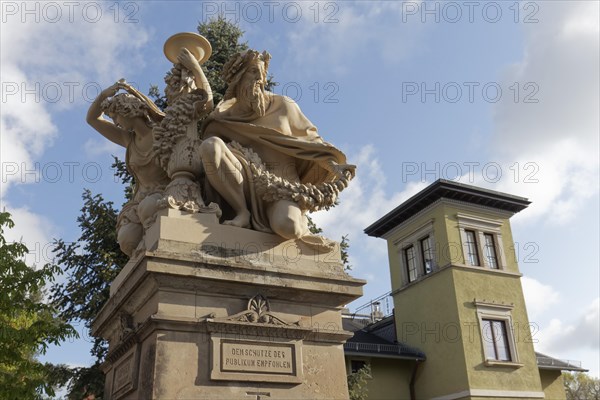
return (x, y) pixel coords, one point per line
(133, 118)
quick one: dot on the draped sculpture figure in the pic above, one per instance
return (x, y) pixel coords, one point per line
(257, 157)
(264, 157)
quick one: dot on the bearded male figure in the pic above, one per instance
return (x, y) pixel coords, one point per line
(265, 158)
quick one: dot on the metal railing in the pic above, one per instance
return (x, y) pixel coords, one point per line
(384, 300)
(553, 362)
(379, 348)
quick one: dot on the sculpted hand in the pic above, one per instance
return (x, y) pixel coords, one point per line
(110, 91)
(343, 170)
(187, 59)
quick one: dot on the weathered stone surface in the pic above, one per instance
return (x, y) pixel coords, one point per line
(183, 316)
(243, 308)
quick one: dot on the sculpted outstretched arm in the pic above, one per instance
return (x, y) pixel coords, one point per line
(341, 170)
(187, 59)
(106, 128)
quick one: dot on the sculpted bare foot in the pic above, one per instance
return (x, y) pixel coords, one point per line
(242, 220)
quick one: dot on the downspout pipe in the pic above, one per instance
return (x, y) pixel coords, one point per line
(413, 378)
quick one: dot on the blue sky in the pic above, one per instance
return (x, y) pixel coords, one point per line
(498, 94)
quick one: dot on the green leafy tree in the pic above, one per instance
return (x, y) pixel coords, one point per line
(581, 386)
(28, 325)
(357, 383)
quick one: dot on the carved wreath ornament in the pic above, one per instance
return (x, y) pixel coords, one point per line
(259, 311)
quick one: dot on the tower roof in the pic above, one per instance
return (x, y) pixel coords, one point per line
(443, 188)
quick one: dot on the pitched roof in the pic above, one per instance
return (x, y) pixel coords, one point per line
(547, 362)
(377, 340)
(443, 188)
(372, 340)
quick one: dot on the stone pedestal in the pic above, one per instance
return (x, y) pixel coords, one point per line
(216, 312)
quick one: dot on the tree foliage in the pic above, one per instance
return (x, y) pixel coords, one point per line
(357, 383)
(225, 39)
(28, 325)
(91, 263)
(581, 386)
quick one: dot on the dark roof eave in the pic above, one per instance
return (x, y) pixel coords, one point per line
(446, 189)
(559, 368)
(384, 355)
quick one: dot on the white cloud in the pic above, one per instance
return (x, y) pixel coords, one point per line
(102, 147)
(559, 133)
(335, 34)
(33, 230)
(581, 333)
(362, 203)
(44, 68)
(538, 297)
(23, 137)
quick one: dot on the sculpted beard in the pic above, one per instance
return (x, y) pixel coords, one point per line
(252, 92)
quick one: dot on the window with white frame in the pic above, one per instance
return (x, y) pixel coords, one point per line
(495, 340)
(417, 253)
(410, 262)
(497, 334)
(490, 251)
(481, 241)
(426, 254)
(471, 246)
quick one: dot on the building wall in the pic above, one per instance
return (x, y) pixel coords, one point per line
(553, 384)
(498, 288)
(426, 317)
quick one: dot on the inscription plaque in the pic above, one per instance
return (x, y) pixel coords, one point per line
(124, 374)
(257, 357)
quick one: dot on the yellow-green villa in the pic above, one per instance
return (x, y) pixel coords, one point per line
(457, 327)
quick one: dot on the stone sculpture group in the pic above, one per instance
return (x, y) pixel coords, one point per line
(256, 162)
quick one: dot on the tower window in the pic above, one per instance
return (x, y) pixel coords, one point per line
(490, 251)
(472, 254)
(411, 267)
(427, 255)
(495, 340)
